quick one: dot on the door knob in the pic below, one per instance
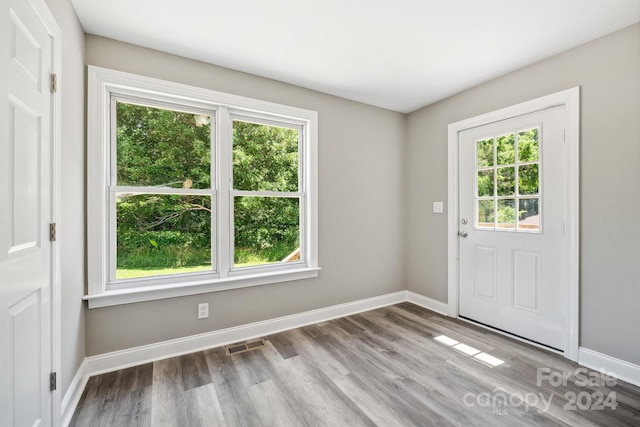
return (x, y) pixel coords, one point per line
(463, 234)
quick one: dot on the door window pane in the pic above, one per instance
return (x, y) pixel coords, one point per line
(529, 214)
(506, 181)
(266, 230)
(485, 183)
(265, 158)
(162, 148)
(528, 147)
(506, 149)
(159, 234)
(528, 179)
(485, 214)
(485, 153)
(506, 213)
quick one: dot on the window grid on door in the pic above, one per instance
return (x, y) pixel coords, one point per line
(507, 182)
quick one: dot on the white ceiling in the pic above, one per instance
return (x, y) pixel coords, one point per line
(395, 54)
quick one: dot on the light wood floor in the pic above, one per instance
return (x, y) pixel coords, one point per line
(381, 367)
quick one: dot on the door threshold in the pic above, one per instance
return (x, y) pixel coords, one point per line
(512, 335)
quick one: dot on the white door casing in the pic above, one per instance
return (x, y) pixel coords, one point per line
(522, 282)
(28, 319)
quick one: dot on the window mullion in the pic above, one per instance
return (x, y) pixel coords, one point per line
(225, 199)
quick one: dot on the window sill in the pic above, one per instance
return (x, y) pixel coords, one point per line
(149, 293)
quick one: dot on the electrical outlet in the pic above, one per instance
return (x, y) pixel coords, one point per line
(203, 310)
(438, 207)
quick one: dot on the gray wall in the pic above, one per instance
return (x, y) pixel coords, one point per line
(608, 72)
(360, 213)
(71, 235)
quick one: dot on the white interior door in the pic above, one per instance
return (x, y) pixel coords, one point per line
(25, 213)
(511, 222)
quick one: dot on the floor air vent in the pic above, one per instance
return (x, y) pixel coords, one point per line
(244, 346)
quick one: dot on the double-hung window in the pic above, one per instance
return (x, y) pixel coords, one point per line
(193, 191)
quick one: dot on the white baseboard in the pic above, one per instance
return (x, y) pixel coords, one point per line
(621, 369)
(428, 303)
(74, 393)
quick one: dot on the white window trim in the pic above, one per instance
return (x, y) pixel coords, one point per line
(102, 84)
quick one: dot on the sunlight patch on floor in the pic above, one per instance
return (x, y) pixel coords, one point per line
(477, 355)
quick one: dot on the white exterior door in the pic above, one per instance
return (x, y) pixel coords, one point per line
(511, 225)
(25, 213)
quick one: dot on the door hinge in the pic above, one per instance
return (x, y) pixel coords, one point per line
(53, 381)
(52, 232)
(54, 83)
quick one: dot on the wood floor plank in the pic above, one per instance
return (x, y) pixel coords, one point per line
(235, 403)
(110, 394)
(433, 329)
(429, 382)
(168, 399)
(315, 398)
(382, 367)
(412, 342)
(380, 384)
(419, 377)
(371, 402)
(307, 349)
(347, 325)
(194, 370)
(315, 331)
(251, 366)
(322, 397)
(203, 406)
(274, 406)
(373, 327)
(284, 346)
(89, 409)
(131, 409)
